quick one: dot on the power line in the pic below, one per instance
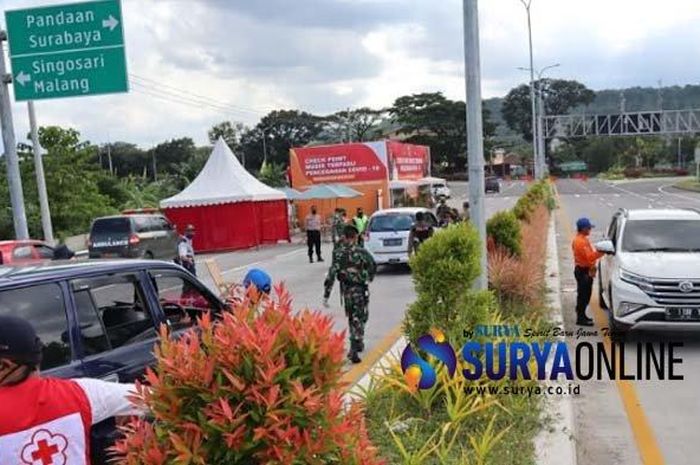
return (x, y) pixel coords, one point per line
(182, 102)
(179, 98)
(193, 95)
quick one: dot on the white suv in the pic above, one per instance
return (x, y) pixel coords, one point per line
(650, 277)
(387, 233)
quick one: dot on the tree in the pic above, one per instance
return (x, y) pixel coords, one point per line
(73, 184)
(359, 125)
(433, 120)
(560, 96)
(273, 175)
(127, 159)
(231, 132)
(281, 130)
(169, 156)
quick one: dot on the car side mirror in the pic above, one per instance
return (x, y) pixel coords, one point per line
(606, 247)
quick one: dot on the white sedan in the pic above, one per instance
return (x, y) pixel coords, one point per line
(387, 234)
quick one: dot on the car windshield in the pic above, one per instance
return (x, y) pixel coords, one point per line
(438, 186)
(385, 223)
(111, 225)
(662, 236)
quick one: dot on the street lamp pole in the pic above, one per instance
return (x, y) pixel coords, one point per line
(540, 120)
(475, 134)
(536, 155)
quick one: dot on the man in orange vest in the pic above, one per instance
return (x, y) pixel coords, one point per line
(46, 421)
(585, 258)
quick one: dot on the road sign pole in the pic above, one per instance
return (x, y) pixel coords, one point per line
(40, 179)
(14, 180)
(475, 141)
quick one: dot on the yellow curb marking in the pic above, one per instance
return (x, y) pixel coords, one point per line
(648, 447)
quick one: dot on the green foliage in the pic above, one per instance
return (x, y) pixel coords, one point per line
(432, 119)
(560, 96)
(273, 174)
(230, 132)
(281, 130)
(141, 194)
(358, 125)
(444, 270)
(447, 264)
(539, 194)
(504, 228)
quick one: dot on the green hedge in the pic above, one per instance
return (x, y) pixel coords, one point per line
(444, 270)
(504, 228)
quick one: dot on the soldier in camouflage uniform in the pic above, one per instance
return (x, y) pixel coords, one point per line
(354, 268)
(338, 226)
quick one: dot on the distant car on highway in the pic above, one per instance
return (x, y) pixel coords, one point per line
(492, 185)
(387, 234)
(135, 235)
(100, 319)
(651, 277)
(25, 252)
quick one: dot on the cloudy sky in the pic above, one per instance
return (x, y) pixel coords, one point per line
(193, 63)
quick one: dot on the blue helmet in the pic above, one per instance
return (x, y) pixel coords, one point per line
(258, 278)
(584, 223)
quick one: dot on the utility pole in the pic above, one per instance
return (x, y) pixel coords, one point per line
(475, 133)
(109, 155)
(535, 152)
(46, 225)
(623, 102)
(264, 147)
(541, 147)
(155, 167)
(14, 180)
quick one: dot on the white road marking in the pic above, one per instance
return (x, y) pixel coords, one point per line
(663, 190)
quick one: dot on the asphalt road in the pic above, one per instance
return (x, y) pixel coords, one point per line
(391, 291)
(629, 422)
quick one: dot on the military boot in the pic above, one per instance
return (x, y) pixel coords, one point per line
(353, 355)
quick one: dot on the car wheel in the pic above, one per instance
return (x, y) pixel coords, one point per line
(148, 256)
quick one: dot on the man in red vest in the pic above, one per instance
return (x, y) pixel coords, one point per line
(46, 421)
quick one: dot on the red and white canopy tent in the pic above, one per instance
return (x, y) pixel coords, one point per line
(229, 207)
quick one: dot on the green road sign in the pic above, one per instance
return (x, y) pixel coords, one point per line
(67, 50)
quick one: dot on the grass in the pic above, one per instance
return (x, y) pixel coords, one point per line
(689, 185)
(451, 423)
(487, 429)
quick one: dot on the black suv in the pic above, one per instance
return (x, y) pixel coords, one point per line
(133, 236)
(100, 319)
(492, 185)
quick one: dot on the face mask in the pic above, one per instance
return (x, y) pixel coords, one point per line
(313, 212)
(189, 235)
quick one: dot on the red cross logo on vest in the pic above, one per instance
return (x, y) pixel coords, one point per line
(45, 449)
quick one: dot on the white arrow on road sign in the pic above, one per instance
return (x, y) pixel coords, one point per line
(23, 78)
(110, 22)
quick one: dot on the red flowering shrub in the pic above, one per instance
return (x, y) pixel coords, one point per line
(261, 386)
